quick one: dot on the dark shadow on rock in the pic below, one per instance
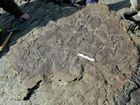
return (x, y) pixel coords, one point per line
(41, 12)
(119, 5)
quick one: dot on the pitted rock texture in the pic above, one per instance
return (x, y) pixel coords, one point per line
(52, 56)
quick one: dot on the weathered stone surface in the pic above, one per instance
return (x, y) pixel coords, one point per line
(12, 91)
(135, 96)
(52, 56)
(91, 86)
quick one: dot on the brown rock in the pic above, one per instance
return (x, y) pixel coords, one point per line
(94, 31)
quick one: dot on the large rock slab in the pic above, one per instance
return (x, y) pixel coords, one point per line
(69, 79)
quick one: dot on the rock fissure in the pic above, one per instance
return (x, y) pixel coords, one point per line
(31, 90)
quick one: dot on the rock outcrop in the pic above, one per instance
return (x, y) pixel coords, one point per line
(45, 68)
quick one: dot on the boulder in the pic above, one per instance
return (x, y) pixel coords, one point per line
(50, 54)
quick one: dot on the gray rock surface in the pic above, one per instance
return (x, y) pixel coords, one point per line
(42, 66)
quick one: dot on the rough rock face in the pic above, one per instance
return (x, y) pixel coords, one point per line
(50, 54)
(43, 66)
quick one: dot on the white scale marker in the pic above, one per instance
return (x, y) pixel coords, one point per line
(86, 57)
